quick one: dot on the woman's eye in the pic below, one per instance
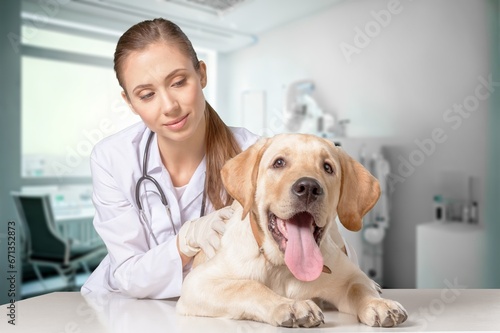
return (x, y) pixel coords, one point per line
(179, 83)
(328, 168)
(146, 96)
(279, 163)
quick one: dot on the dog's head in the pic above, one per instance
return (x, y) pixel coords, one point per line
(294, 185)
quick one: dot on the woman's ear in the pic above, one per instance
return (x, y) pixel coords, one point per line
(203, 73)
(127, 100)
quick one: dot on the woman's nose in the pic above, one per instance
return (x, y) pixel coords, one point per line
(168, 102)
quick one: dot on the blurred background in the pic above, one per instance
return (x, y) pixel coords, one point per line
(408, 88)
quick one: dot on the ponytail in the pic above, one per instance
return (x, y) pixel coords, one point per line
(220, 147)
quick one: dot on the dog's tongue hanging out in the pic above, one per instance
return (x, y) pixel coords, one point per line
(302, 255)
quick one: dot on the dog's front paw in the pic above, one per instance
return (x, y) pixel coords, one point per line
(298, 314)
(382, 312)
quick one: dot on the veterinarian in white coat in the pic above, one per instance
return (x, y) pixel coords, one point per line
(162, 82)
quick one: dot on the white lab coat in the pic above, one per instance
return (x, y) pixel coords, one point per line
(135, 265)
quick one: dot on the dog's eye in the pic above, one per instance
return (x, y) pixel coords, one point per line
(279, 163)
(328, 168)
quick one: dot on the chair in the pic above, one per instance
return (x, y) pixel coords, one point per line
(45, 246)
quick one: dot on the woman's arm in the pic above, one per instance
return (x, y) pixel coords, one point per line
(135, 269)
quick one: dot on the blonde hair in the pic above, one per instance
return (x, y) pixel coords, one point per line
(220, 144)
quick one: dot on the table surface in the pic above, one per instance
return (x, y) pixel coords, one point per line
(434, 310)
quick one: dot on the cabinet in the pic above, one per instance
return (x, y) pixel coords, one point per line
(450, 253)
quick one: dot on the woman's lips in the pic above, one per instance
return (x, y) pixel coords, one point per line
(176, 124)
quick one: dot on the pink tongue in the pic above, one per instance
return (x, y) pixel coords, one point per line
(302, 254)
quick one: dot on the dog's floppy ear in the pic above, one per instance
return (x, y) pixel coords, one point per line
(239, 174)
(359, 192)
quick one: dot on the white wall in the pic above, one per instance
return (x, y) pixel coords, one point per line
(427, 58)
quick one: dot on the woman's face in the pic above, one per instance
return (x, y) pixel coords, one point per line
(165, 90)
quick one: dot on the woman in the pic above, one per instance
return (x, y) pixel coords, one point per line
(149, 252)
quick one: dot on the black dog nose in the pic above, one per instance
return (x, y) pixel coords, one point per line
(307, 189)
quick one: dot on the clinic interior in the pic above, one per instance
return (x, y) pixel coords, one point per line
(408, 88)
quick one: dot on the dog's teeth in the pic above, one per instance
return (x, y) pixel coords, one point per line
(282, 227)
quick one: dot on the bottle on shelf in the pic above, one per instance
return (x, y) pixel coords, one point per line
(439, 211)
(473, 219)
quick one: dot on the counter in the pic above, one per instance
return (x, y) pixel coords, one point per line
(447, 309)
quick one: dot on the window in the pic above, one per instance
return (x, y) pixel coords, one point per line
(66, 109)
(70, 101)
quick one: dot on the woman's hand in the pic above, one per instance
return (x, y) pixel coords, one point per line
(203, 233)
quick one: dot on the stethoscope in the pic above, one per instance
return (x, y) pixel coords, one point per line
(144, 177)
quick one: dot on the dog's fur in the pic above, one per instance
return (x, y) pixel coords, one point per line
(249, 277)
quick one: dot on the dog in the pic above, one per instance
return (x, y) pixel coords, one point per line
(282, 248)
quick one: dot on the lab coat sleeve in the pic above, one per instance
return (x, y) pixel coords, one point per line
(135, 270)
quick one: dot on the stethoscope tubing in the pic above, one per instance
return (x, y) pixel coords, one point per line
(145, 177)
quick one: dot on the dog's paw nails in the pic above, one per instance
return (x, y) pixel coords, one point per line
(322, 317)
(283, 315)
(390, 319)
(382, 312)
(401, 315)
(311, 320)
(299, 314)
(290, 322)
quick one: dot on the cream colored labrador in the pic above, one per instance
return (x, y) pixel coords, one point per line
(282, 248)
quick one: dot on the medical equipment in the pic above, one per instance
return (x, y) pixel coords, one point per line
(377, 221)
(302, 113)
(164, 201)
